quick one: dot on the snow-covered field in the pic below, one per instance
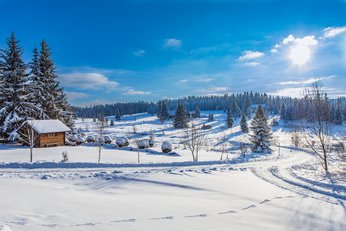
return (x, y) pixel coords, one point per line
(284, 190)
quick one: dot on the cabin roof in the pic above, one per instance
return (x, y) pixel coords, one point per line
(47, 126)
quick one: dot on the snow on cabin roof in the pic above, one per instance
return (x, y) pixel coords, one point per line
(48, 126)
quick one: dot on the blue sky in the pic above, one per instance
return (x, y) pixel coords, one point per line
(107, 51)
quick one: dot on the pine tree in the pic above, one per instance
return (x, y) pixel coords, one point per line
(243, 124)
(197, 112)
(112, 123)
(180, 119)
(117, 115)
(229, 120)
(14, 90)
(261, 132)
(338, 116)
(54, 104)
(163, 111)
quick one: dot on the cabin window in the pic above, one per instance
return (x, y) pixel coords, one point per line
(51, 135)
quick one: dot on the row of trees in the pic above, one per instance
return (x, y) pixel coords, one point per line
(29, 90)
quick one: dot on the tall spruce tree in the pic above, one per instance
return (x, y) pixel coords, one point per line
(163, 111)
(261, 133)
(229, 119)
(55, 104)
(117, 115)
(338, 116)
(14, 90)
(180, 119)
(197, 112)
(243, 124)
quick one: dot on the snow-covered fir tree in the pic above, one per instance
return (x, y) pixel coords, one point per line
(243, 124)
(229, 119)
(180, 118)
(117, 115)
(162, 112)
(261, 132)
(16, 106)
(338, 118)
(197, 113)
(54, 103)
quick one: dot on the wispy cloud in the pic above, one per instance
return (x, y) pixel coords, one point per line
(289, 92)
(73, 95)
(330, 32)
(88, 81)
(249, 55)
(213, 90)
(172, 43)
(139, 53)
(131, 91)
(306, 81)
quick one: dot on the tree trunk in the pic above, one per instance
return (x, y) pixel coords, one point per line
(31, 154)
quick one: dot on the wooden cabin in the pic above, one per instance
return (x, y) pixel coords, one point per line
(47, 133)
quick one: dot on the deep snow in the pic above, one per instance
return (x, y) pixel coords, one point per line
(284, 190)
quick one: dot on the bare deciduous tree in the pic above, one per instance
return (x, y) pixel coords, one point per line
(296, 136)
(318, 128)
(194, 141)
(28, 136)
(223, 146)
(100, 127)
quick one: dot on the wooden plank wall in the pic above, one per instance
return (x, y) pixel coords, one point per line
(57, 140)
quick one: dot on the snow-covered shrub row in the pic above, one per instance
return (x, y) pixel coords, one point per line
(107, 139)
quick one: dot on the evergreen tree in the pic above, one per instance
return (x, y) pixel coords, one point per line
(54, 104)
(197, 112)
(180, 119)
(163, 112)
(338, 116)
(229, 120)
(14, 90)
(261, 132)
(37, 87)
(112, 123)
(117, 115)
(243, 124)
(211, 117)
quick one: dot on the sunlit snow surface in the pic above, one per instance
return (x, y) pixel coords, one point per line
(168, 192)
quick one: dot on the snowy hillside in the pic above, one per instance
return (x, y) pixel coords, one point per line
(284, 190)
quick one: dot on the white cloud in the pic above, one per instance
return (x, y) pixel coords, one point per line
(213, 90)
(300, 51)
(89, 81)
(139, 53)
(330, 32)
(72, 95)
(249, 55)
(274, 50)
(251, 64)
(131, 91)
(289, 92)
(204, 80)
(182, 81)
(306, 81)
(289, 39)
(172, 43)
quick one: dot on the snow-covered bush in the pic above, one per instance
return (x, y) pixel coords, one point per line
(80, 140)
(72, 138)
(100, 140)
(142, 144)
(166, 147)
(121, 142)
(90, 139)
(107, 139)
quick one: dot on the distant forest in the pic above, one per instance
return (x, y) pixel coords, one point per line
(242, 103)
